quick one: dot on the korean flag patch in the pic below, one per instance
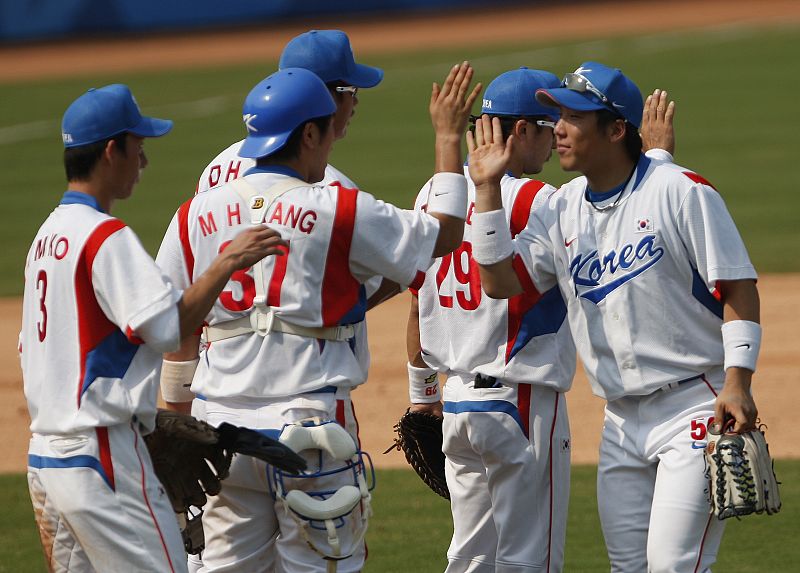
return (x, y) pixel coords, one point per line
(644, 224)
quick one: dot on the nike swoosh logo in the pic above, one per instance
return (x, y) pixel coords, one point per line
(697, 446)
(747, 346)
(568, 243)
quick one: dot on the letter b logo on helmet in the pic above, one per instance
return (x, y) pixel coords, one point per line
(279, 104)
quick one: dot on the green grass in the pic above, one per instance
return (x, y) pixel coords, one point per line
(735, 125)
(411, 528)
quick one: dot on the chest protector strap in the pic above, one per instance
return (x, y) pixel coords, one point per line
(262, 319)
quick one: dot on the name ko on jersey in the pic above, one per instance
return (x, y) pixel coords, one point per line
(596, 275)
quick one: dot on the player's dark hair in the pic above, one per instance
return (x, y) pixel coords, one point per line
(80, 161)
(507, 122)
(633, 141)
(291, 149)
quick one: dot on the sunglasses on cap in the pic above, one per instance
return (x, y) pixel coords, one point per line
(352, 90)
(578, 83)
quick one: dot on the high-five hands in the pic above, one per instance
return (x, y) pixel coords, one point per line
(452, 101)
(489, 155)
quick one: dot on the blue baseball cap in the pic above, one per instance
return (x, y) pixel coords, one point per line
(280, 103)
(595, 86)
(328, 54)
(514, 93)
(104, 112)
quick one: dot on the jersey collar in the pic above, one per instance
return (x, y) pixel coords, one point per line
(279, 169)
(78, 198)
(638, 175)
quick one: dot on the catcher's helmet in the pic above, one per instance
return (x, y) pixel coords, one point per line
(513, 93)
(309, 495)
(277, 105)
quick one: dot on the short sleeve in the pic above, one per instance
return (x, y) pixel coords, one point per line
(711, 238)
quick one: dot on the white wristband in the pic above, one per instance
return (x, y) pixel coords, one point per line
(660, 155)
(491, 237)
(448, 195)
(176, 378)
(741, 340)
(423, 385)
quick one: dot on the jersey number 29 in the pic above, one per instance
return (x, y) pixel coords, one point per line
(466, 273)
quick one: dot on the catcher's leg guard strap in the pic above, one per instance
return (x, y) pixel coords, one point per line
(340, 503)
(331, 438)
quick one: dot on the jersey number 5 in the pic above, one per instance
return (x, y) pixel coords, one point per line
(466, 273)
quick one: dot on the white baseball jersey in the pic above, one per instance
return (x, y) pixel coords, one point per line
(338, 238)
(91, 290)
(228, 165)
(638, 272)
(524, 339)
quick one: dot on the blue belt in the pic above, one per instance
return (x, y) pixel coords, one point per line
(673, 385)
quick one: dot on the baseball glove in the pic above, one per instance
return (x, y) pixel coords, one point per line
(419, 436)
(741, 475)
(191, 457)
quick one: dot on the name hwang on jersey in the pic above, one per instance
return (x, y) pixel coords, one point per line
(596, 275)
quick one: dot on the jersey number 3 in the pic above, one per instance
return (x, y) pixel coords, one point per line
(41, 286)
(466, 273)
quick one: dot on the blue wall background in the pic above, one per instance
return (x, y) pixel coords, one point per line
(27, 20)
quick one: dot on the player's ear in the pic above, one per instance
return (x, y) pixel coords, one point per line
(616, 130)
(311, 135)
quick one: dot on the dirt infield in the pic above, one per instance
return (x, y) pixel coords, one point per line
(384, 398)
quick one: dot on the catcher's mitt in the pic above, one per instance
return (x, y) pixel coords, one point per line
(184, 450)
(741, 475)
(419, 436)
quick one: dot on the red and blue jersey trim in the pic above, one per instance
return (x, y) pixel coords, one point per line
(531, 313)
(105, 351)
(342, 295)
(183, 235)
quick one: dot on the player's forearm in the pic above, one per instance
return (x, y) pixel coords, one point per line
(198, 299)
(413, 345)
(740, 300)
(386, 290)
(448, 153)
(499, 280)
(488, 197)
(741, 331)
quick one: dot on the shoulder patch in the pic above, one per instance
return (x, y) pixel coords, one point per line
(698, 179)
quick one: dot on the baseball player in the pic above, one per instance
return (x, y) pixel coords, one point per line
(97, 314)
(290, 353)
(662, 305)
(328, 54)
(507, 363)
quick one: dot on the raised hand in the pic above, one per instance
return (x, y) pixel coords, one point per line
(488, 153)
(657, 122)
(451, 103)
